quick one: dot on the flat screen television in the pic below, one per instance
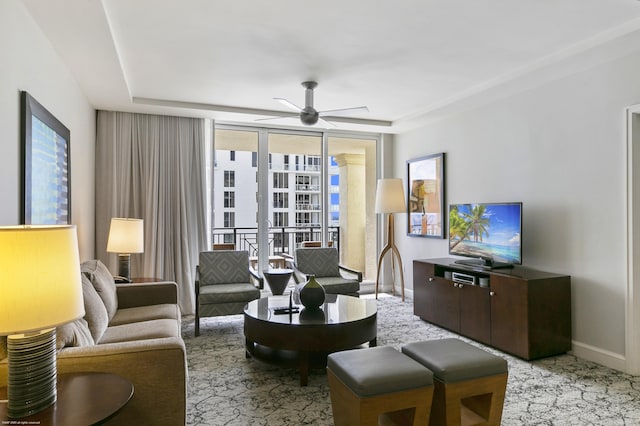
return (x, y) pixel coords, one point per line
(488, 234)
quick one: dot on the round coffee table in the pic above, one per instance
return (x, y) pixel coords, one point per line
(304, 339)
(277, 279)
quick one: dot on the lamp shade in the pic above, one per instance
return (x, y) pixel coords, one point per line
(390, 196)
(126, 236)
(40, 281)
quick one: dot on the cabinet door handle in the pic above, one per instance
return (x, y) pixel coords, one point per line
(492, 293)
(431, 279)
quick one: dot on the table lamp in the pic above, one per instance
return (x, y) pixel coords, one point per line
(390, 199)
(126, 236)
(40, 289)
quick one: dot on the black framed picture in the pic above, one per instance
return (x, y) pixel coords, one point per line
(46, 177)
(425, 209)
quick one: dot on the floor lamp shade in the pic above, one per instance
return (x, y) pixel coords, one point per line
(40, 289)
(390, 196)
(126, 236)
(390, 199)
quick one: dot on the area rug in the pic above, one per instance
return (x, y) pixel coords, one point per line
(226, 388)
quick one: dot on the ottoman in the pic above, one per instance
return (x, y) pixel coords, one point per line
(368, 383)
(469, 383)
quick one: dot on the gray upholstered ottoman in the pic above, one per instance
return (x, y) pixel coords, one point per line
(367, 383)
(469, 383)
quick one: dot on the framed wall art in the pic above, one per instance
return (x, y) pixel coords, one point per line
(46, 174)
(425, 207)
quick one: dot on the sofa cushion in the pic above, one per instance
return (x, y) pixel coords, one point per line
(95, 312)
(75, 334)
(338, 285)
(145, 313)
(144, 330)
(104, 284)
(228, 293)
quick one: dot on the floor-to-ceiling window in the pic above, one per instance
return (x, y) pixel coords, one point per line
(278, 189)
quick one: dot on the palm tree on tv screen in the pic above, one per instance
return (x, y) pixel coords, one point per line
(473, 223)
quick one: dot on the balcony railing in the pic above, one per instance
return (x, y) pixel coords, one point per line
(307, 187)
(307, 206)
(281, 239)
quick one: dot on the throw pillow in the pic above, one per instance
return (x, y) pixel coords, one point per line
(104, 284)
(75, 333)
(3, 347)
(95, 312)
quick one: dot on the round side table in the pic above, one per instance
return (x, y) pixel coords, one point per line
(277, 279)
(83, 399)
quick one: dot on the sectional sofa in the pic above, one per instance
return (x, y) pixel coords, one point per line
(132, 330)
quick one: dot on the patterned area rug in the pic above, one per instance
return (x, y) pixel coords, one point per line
(225, 388)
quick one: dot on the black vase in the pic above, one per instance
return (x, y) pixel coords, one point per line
(312, 293)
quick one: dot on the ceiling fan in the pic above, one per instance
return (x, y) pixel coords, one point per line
(309, 115)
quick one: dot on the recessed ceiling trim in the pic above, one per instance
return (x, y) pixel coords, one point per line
(251, 111)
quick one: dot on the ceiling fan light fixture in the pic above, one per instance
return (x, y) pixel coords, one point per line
(309, 116)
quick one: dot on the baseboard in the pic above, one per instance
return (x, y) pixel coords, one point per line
(599, 356)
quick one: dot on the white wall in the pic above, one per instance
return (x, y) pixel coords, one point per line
(30, 63)
(560, 149)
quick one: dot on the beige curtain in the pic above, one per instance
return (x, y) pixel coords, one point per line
(153, 167)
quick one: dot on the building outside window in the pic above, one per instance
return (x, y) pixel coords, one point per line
(280, 180)
(280, 219)
(232, 156)
(229, 179)
(229, 199)
(280, 200)
(229, 219)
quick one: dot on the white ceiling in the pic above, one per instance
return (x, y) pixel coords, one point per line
(406, 60)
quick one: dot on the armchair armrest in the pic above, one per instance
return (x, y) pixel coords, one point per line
(143, 294)
(358, 274)
(290, 262)
(256, 276)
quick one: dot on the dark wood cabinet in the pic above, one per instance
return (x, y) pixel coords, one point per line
(520, 311)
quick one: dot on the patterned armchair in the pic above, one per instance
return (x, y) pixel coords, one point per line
(224, 284)
(324, 264)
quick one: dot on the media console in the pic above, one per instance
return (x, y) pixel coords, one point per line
(521, 311)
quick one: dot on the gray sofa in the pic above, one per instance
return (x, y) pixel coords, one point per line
(132, 330)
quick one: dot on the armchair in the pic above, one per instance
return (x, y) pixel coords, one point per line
(323, 262)
(223, 284)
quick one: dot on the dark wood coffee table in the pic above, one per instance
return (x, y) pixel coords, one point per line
(303, 340)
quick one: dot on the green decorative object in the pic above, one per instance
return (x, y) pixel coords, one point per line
(312, 293)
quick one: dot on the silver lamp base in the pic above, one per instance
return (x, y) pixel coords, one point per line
(32, 372)
(124, 266)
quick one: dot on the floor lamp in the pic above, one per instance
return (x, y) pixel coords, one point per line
(390, 199)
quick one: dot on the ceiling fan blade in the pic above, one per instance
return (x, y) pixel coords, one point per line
(344, 111)
(288, 104)
(275, 117)
(326, 123)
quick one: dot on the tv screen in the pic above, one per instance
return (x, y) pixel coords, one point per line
(490, 233)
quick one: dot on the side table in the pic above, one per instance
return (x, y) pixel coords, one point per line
(83, 399)
(277, 279)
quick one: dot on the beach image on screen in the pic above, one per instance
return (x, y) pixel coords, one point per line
(490, 231)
